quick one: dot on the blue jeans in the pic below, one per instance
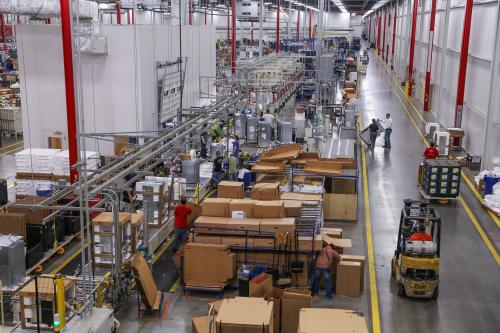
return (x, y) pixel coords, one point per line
(233, 176)
(318, 272)
(387, 138)
(180, 238)
(216, 178)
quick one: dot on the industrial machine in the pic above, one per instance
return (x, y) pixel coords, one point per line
(415, 265)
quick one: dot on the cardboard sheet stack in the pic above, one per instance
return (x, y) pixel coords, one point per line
(150, 295)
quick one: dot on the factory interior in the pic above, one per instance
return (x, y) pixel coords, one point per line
(249, 166)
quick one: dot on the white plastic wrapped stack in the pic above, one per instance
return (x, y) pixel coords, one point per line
(490, 173)
(35, 160)
(45, 8)
(155, 182)
(60, 162)
(206, 170)
(492, 201)
(29, 186)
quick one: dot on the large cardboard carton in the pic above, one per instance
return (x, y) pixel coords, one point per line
(144, 280)
(274, 295)
(13, 224)
(332, 232)
(292, 301)
(269, 209)
(233, 190)
(339, 244)
(361, 260)
(348, 278)
(32, 216)
(283, 225)
(260, 285)
(208, 264)
(321, 320)
(201, 324)
(282, 153)
(245, 315)
(207, 239)
(211, 225)
(266, 191)
(340, 206)
(326, 168)
(242, 205)
(266, 242)
(217, 207)
(307, 199)
(237, 241)
(244, 227)
(293, 208)
(306, 243)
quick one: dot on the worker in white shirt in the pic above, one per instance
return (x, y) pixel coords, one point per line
(269, 119)
(387, 125)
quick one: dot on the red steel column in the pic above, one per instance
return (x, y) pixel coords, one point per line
(388, 32)
(233, 41)
(409, 83)
(2, 32)
(394, 35)
(67, 41)
(298, 24)
(429, 55)
(278, 28)
(369, 29)
(379, 21)
(462, 72)
(383, 36)
(118, 13)
(310, 22)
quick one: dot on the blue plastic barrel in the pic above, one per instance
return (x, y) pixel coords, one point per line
(257, 271)
(44, 192)
(489, 182)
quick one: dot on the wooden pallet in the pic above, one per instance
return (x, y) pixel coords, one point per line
(441, 200)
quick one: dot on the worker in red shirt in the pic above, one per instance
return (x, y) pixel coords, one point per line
(181, 214)
(421, 235)
(322, 267)
(431, 153)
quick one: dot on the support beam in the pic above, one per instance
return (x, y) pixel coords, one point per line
(118, 13)
(277, 27)
(69, 83)
(233, 41)
(379, 19)
(383, 36)
(369, 30)
(190, 12)
(409, 83)
(251, 33)
(261, 15)
(298, 24)
(2, 33)
(462, 71)
(394, 34)
(128, 16)
(228, 24)
(133, 15)
(310, 22)
(428, 68)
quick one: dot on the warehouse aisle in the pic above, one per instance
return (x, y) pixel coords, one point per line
(469, 297)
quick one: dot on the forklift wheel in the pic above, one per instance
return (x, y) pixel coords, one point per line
(435, 294)
(401, 290)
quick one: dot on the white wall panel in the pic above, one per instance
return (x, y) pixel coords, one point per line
(478, 73)
(483, 30)
(454, 40)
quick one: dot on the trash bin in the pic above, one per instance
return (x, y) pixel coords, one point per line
(244, 279)
(489, 182)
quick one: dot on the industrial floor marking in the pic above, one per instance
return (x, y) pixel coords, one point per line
(17, 149)
(466, 207)
(369, 244)
(11, 145)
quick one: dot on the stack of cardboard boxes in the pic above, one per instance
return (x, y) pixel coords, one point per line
(330, 320)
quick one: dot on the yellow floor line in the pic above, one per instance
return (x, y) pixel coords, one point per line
(11, 151)
(175, 286)
(480, 230)
(464, 176)
(473, 219)
(369, 245)
(162, 250)
(12, 145)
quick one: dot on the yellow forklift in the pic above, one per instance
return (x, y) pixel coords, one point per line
(415, 264)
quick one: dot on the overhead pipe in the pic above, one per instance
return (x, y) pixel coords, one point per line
(409, 83)
(277, 27)
(69, 82)
(429, 55)
(462, 71)
(394, 35)
(118, 13)
(233, 42)
(298, 23)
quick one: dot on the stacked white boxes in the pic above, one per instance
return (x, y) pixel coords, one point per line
(60, 162)
(35, 160)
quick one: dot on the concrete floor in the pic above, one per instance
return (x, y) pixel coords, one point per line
(469, 299)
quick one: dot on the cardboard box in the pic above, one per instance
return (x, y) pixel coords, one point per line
(361, 260)
(274, 295)
(332, 232)
(268, 167)
(306, 243)
(208, 264)
(348, 278)
(265, 178)
(320, 320)
(233, 190)
(215, 305)
(201, 324)
(283, 225)
(13, 224)
(269, 209)
(260, 285)
(282, 153)
(144, 280)
(32, 216)
(340, 185)
(211, 225)
(263, 242)
(245, 315)
(293, 208)
(242, 205)
(244, 227)
(207, 239)
(266, 191)
(216, 207)
(326, 168)
(292, 301)
(237, 241)
(340, 206)
(307, 199)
